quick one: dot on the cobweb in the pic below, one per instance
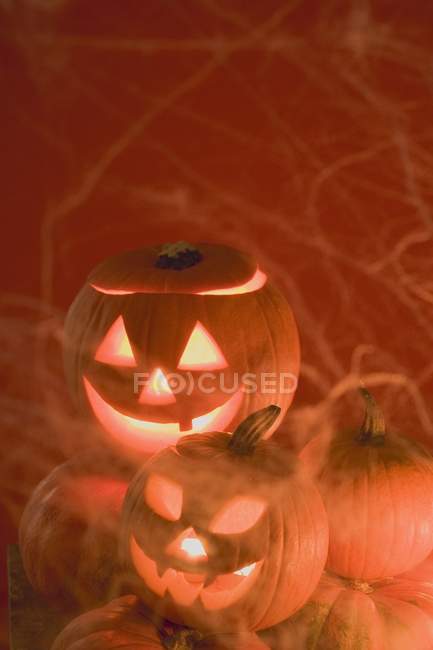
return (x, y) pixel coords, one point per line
(299, 131)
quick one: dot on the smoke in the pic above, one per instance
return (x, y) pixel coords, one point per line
(299, 131)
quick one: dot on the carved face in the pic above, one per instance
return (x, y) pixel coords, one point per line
(213, 557)
(210, 536)
(154, 362)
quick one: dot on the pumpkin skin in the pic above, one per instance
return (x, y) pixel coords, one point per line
(378, 492)
(422, 572)
(144, 312)
(393, 614)
(123, 625)
(69, 531)
(120, 624)
(224, 536)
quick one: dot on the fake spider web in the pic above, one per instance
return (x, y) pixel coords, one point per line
(299, 131)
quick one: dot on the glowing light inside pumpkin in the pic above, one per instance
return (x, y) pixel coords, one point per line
(116, 349)
(257, 282)
(157, 390)
(254, 284)
(187, 544)
(148, 436)
(193, 547)
(164, 497)
(246, 570)
(238, 516)
(222, 593)
(201, 351)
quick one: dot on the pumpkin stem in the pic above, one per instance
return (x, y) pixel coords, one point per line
(359, 585)
(251, 430)
(178, 256)
(179, 637)
(373, 428)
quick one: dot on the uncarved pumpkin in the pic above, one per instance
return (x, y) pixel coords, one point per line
(118, 625)
(175, 315)
(378, 491)
(393, 614)
(422, 571)
(69, 530)
(122, 624)
(224, 532)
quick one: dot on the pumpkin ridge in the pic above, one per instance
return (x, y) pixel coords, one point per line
(271, 598)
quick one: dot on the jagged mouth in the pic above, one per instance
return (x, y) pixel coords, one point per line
(214, 593)
(145, 435)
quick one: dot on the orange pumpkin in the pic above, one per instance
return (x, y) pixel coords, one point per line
(393, 614)
(224, 531)
(123, 625)
(163, 342)
(69, 530)
(119, 624)
(378, 491)
(422, 572)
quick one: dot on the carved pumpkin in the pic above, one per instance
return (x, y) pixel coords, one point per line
(378, 491)
(393, 614)
(122, 624)
(200, 325)
(224, 530)
(69, 530)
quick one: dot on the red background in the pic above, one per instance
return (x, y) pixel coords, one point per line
(300, 131)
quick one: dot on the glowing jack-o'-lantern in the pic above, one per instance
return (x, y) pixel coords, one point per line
(225, 530)
(165, 342)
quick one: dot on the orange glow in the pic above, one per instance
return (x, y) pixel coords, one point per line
(164, 497)
(225, 590)
(201, 351)
(257, 282)
(193, 547)
(239, 515)
(187, 544)
(246, 570)
(116, 349)
(147, 436)
(112, 292)
(157, 390)
(254, 284)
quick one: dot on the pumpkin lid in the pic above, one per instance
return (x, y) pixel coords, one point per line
(178, 268)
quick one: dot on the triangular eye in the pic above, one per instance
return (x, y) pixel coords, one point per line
(201, 351)
(116, 349)
(238, 516)
(164, 497)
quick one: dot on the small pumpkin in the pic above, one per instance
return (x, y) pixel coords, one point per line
(393, 614)
(122, 624)
(377, 488)
(224, 531)
(69, 530)
(178, 339)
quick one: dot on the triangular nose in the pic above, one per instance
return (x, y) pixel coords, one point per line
(187, 545)
(157, 390)
(191, 545)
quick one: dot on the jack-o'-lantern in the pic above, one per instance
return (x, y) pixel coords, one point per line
(164, 342)
(223, 530)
